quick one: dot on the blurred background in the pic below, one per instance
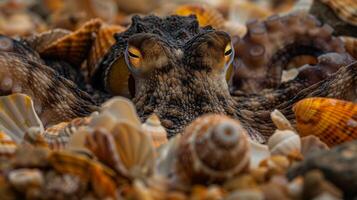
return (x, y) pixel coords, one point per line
(26, 17)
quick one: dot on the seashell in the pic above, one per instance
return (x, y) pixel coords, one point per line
(17, 115)
(34, 137)
(311, 144)
(259, 152)
(206, 15)
(213, 148)
(125, 148)
(350, 45)
(40, 42)
(252, 194)
(280, 121)
(7, 146)
(73, 47)
(333, 121)
(284, 142)
(344, 9)
(155, 130)
(166, 157)
(241, 182)
(23, 179)
(276, 165)
(100, 177)
(102, 43)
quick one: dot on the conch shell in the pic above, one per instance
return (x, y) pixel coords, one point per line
(155, 130)
(212, 149)
(333, 121)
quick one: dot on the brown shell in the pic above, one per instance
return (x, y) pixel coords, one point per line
(206, 15)
(41, 41)
(333, 121)
(350, 45)
(212, 149)
(344, 9)
(104, 40)
(73, 47)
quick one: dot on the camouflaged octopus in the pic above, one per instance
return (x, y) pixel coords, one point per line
(178, 71)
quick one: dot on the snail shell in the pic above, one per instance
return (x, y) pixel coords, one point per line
(333, 121)
(206, 15)
(212, 148)
(155, 130)
(284, 142)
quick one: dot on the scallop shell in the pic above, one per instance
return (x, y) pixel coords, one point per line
(7, 145)
(74, 47)
(17, 115)
(333, 121)
(125, 148)
(40, 42)
(213, 148)
(22, 179)
(344, 9)
(155, 130)
(100, 177)
(206, 15)
(104, 40)
(284, 142)
(350, 45)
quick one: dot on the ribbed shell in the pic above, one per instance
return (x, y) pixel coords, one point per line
(212, 149)
(350, 45)
(104, 40)
(344, 9)
(74, 47)
(284, 142)
(206, 15)
(155, 130)
(40, 42)
(333, 121)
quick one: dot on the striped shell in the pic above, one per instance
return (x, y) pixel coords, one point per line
(350, 45)
(17, 115)
(40, 42)
(155, 130)
(333, 121)
(213, 148)
(7, 146)
(344, 9)
(103, 41)
(26, 178)
(205, 14)
(74, 47)
(284, 142)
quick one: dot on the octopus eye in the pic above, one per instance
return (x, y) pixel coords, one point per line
(228, 54)
(134, 56)
(228, 50)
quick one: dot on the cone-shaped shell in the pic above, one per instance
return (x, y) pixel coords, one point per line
(155, 130)
(333, 121)
(17, 115)
(74, 47)
(104, 40)
(212, 149)
(344, 9)
(206, 15)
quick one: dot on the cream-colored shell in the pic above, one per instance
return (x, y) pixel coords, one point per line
(25, 178)
(259, 152)
(153, 128)
(284, 142)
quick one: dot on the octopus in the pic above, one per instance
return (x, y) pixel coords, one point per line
(178, 71)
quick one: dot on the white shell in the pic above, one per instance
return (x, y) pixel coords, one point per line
(284, 142)
(25, 178)
(17, 115)
(156, 132)
(166, 158)
(280, 121)
(259, 152)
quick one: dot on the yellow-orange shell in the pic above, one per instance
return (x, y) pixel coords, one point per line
(212, 149)
(206, 15)
(74, 47)
(104, 40)
(333, 121)
(7, 145)
(350, 45)
(344, 9)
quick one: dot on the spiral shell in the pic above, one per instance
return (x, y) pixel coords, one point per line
(73, 47)
(333, 121)
(155, 130)
(212, 149)
(284, 142)
(344, 9)
(205, 14)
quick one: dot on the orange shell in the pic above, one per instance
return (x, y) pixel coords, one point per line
(213, 148)
(350, 45)
(7, 145)
(73, 47)
(40, 42)
(206, 15)
(333, 121)
(104, 40)
(344, 9)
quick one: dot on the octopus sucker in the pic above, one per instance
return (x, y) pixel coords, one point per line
(268, 47)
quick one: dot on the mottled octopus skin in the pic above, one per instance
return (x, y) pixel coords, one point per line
(265, 51)
(190, 83)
